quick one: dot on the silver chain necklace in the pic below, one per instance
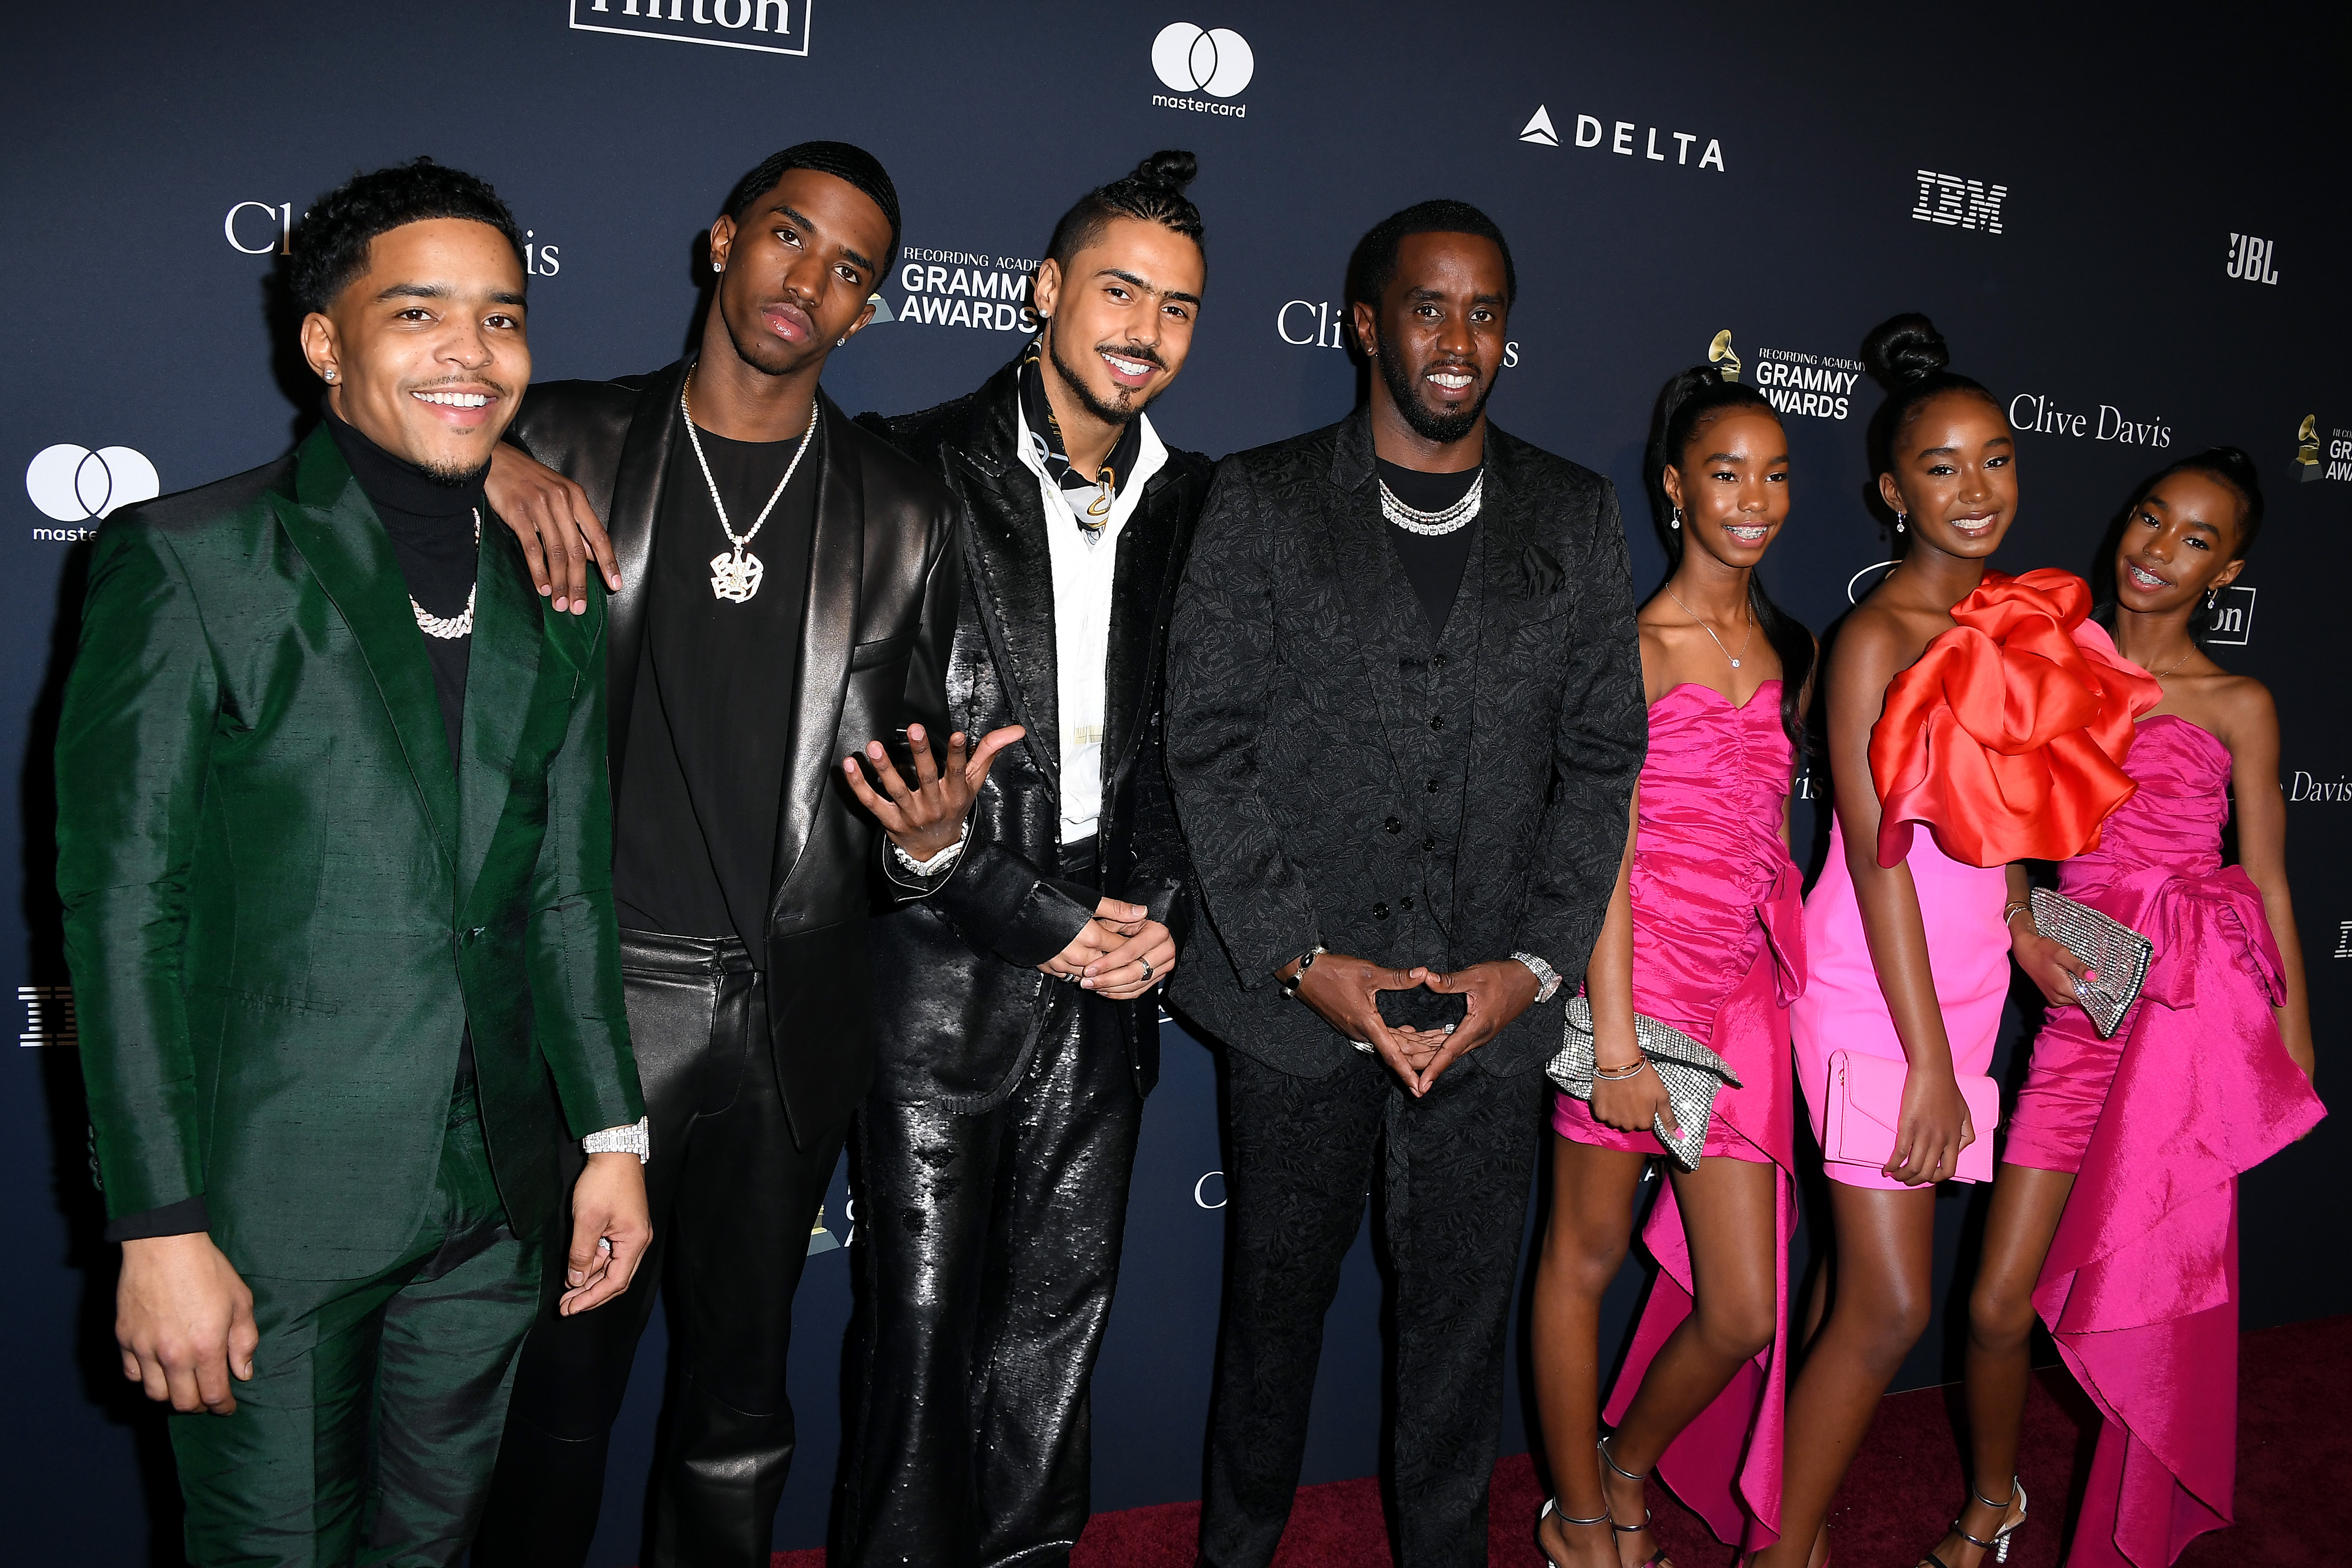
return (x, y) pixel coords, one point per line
(735, 575)
(449, 627)
(1710, 631)
(1414, 521)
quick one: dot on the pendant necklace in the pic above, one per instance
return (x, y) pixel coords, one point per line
(1710, 631)
(735, 575)
(1413, 520)
(450, 627)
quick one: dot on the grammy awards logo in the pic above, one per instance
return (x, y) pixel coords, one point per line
(2306, 448)
(1720, 354)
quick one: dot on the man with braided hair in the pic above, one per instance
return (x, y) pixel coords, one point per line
(1018, 1031)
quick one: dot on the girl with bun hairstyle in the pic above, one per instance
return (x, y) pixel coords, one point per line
(1991, 711)
(1705, 933)
(2114, 1208)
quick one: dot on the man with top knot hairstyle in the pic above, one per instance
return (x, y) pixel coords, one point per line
(785, 590)
(1018, 1026)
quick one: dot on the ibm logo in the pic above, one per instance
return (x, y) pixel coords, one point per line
(2253, 260)
(49, 1016)
(2343, 939)
(2230, 621)
(1956, 203)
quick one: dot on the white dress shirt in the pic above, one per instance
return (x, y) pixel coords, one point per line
(1083, 571)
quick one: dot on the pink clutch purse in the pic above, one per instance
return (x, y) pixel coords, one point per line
(1867, 1100)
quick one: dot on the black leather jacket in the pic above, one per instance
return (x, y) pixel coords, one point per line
(1288, 737)
(961, 998)
(882, 584)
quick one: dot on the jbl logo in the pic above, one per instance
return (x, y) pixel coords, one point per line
(1959, 203)
(2254, 260)
(49, 1016)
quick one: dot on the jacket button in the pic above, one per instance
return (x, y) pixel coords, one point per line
(1430, 843)
(1405, 903)
(1434, 786)
(1380, 912)
(1437, 721)
(1393, 825)
(1438, 660)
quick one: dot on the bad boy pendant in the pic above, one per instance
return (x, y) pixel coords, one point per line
(735, 576)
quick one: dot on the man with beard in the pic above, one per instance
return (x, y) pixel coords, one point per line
(333, 840)
(1404, 719)
(1018, 1035)
(790, 586)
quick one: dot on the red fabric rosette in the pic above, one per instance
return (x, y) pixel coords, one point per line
(2006, 738)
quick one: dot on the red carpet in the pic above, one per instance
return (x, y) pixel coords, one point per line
(2293, 1505)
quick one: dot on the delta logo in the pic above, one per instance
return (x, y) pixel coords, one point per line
(1619, 135)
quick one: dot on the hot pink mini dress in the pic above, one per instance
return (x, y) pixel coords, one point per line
(1718, 952)
(2140, 1287)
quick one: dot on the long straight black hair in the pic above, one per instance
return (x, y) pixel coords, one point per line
(1692, 400)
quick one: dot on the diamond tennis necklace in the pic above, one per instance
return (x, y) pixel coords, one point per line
(1412, 520)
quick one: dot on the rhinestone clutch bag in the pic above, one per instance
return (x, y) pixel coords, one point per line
(1691, 1072)
(2115, 953)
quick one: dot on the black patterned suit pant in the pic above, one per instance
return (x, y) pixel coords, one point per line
(1455, 1167)
(987, 1250)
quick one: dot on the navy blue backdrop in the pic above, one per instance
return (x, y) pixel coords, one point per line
(2124, 226)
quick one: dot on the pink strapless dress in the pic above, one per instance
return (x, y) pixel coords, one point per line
(1718, 952)
(2140, 1289)
(1843, 1008)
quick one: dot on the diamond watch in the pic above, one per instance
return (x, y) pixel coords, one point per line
(638, 1140)
(1546, 977)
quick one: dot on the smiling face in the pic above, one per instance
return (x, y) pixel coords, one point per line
(1732, 485)
(1119, 318)
(1955, 475)
(2179, 543)
(797, 271)
(424, 352)
(1437, 336)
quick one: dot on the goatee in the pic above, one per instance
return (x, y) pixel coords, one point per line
(1118, 413)
(1428, 423)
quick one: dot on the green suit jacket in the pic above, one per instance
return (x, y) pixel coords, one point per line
(284, 906)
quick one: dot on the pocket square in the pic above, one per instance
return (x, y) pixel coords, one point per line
(1539, 574)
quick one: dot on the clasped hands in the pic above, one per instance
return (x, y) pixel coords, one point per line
(1346, 991)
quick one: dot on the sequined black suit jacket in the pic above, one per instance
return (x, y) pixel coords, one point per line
(960, 997)
(1287, 735)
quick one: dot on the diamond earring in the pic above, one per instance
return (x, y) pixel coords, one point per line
(1676, 521)
(716, 265)
(839, 341)
(330, 373)
(1899, 516)
(2211, 596)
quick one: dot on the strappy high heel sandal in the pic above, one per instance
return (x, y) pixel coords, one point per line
(1549, 1507)
(1998, 1544)
(1657, 1557)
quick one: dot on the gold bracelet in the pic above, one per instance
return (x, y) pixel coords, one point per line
(2013, 908)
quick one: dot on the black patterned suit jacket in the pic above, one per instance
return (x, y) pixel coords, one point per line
(1289, 750)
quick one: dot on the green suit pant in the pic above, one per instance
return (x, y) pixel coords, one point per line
(370, 1428)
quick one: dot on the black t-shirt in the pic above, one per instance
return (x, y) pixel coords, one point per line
(431, 522)
(1432, 562)
(702, 786)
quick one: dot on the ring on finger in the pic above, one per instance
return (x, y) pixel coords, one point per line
(1146, 967)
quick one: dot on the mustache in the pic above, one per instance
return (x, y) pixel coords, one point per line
(461, 381)
(1459, 367)
(1148, 355)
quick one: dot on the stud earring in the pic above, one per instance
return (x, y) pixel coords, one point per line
(2211, 596)
(839, 341)
(718, 265)
(330, 373)
(1899, 518)
(1676, 521)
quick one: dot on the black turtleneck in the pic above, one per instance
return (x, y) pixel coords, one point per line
(431, 522)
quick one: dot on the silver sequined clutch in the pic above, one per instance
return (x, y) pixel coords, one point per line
(1691, 1072)
(2115, 953)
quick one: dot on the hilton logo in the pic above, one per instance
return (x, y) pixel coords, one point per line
(2230, 621)
(2253, 260)
(728, 24)
(1956, 203)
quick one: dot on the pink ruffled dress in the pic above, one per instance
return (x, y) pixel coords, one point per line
(2140, 1289)
(1718, 952)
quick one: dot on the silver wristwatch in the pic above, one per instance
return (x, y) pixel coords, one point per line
(1546, 977)
(638, 1140)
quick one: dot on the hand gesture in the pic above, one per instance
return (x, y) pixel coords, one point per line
(1143, 960)
(2048, 963)
(184, 1320)
(611, 1229)
(1931, 1129)
(925, 817)
(551, 516)
(1114, 921)
(1346, 991)
(1498, 990)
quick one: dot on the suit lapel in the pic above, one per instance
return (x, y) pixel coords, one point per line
(1369, 581)
(828, 635)
(351, 556)
(1510, 523)
(501, 669)
(1141, 589)
(637, 485)
(1009, 564)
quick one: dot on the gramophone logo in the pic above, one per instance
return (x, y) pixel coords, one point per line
(1720, 354)
(2306, 448)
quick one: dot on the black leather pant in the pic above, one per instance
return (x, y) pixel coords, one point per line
(987, 1250)
(733, 1199)
(1455, 1169)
